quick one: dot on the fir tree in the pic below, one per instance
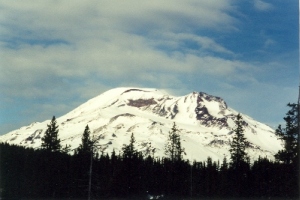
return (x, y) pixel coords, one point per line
(129, 150)
(173, 148)
(50, 141)
(66, 149)
(86, 154)
(238, 144)
(224, 165)
(86, 142)
(130, 165)
(289, 135)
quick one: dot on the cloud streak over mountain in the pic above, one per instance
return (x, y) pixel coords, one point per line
(57, 54)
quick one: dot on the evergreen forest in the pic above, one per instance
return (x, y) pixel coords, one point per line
(52, 172)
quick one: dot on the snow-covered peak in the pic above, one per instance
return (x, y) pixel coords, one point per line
(205, 124)
(112, 96)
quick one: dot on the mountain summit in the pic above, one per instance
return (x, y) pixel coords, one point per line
(205, 123)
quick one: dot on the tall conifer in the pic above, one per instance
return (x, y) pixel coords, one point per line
(50, 141)
(173, 148)
(289, 135)
(238, 144)
(86, 142)
(129, 150)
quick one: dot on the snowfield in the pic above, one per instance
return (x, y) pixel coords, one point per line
(205, 123)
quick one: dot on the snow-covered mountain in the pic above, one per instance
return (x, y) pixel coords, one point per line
(205, 124)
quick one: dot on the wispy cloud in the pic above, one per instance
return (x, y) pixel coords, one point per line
(269, 43)
(56, 51)
(262, 6)
(189, 43)
(56, 41)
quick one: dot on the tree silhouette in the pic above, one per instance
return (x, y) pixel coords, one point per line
(86, 142)
(173, 148)
(238, 144)
(50, 141)
(289, 135)
(129, 150)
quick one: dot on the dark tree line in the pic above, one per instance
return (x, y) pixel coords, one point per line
(48, 173)
(36, 174)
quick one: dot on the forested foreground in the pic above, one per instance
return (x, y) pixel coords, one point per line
(37, 174)
(51, 172)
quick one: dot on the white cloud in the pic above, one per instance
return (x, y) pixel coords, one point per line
(269, 43)
(60, 50)
(32, 70)
(262, 6)
(78, 20)
(183, 42)
(50, 42)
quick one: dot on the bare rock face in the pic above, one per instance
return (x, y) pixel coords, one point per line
(141, 102)
(203, 115)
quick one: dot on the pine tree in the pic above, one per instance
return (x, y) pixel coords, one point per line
(86, 142)
(289, 135)
(129, 150)
(174, 152)
(129, 175)
(224, 178)
(50, 141)
(66, 149)
(238, 144)
(173, 148)
(86, 154)
(224, 165)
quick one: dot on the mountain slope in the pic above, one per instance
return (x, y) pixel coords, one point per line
(205, 124)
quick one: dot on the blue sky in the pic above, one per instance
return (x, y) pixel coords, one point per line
(55, 55)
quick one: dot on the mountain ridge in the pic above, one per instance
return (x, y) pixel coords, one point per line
(205, 123)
